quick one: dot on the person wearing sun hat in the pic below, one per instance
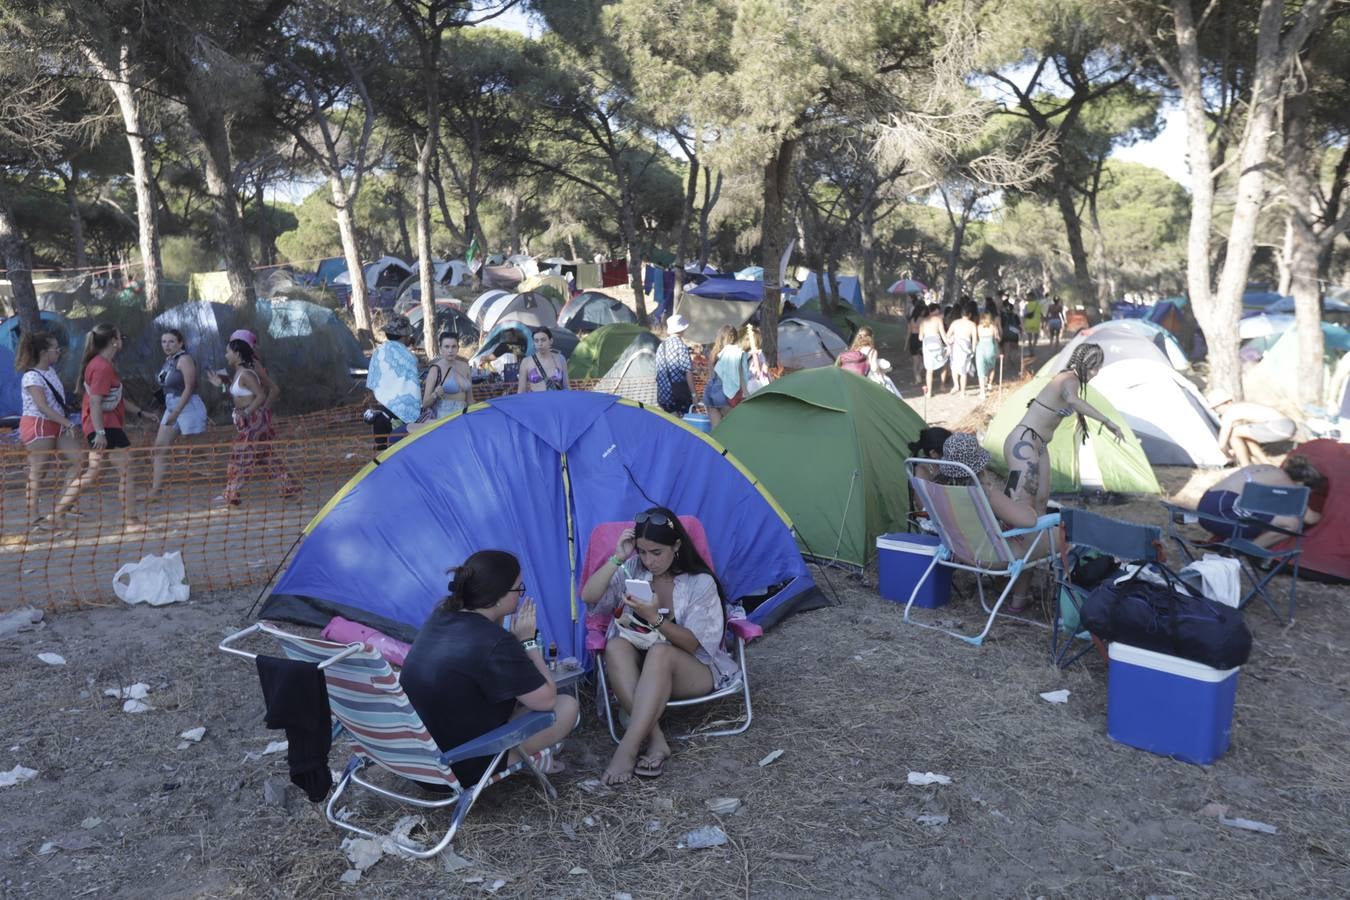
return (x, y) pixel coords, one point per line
(675, 369)
(1245, 427)
(964, 448)
(270, 388)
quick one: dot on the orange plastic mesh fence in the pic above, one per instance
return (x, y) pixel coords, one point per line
(70, 563)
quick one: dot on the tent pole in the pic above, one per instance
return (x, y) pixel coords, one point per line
(848, 501)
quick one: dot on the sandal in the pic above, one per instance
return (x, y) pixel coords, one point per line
(650, 769)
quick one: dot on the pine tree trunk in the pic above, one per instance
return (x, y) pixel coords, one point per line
(405, 251)
(867, 238)
(710, 195)
(1301, 241)
(76, 220)
(360, 300)
(142, 175)
(686, 226)
(1226, 303)
(628, 219)
(776, 177)
(426, 158)
(18, 269)
(1073, 231)
(226, 221)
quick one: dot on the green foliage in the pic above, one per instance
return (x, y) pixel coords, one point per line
(183, 255)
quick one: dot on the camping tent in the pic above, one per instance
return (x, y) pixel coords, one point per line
(564, 341)
(1101, 463)
(378, 550)
(69, 333)
(1165, 340)
(591, 309)
(848, 290)
(307, 337)
(726, 287)
(707, 315)
(599, 350)
(449, 272)
(536, 309)
(1274, 380)
(11, 400)
(482, 300)
(409, 293)
(1164, 409)
(831, 448)
(449, 317)
(806, 343)
(1326, 545)
(385, 272)
(504, 277)
(557, 285)
(633, 375)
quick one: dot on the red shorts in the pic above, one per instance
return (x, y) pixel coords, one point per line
(33, 428)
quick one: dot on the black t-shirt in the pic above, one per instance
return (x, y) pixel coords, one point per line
(463, 675)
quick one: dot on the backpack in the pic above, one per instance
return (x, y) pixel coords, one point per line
(854, 361)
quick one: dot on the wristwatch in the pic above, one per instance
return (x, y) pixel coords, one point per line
(532, 643)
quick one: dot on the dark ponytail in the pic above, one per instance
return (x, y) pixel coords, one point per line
(481, 580)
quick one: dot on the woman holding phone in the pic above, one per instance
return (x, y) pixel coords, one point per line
(665, 642)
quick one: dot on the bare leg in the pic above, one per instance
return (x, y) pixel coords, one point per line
(159, 459)
(714, 415)
(1240, 450)
(38, 453)
(565, 712)
(87, 479)
(126, 486)
(667, 671)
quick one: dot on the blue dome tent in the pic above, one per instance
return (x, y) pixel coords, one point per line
(378, 551)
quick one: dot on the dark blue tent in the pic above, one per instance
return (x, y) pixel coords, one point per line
(68, 333)
(725, 287)
(378, 550)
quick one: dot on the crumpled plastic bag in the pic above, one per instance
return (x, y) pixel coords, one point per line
(156, 580)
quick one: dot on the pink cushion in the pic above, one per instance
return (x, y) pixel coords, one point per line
(601, 547)
(606, 535)
(345, 631)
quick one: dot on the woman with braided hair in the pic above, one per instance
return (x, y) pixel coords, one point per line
(1027, 447)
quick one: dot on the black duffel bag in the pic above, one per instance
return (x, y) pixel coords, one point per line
(1167, 618)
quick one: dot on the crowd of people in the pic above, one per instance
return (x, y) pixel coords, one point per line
(84, 438)
(966, 340)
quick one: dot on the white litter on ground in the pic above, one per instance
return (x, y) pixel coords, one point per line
(922, 778)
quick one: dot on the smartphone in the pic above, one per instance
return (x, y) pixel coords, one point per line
(638, 590)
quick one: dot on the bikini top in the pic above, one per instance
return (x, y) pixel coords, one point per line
(1063, 413)
(536, 376)
(450, 384)
(238, 390)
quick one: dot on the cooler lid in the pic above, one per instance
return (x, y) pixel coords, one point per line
(1172, 665)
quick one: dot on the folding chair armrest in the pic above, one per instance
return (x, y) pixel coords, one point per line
(502, 738)
(1049, 520)
(744, 629)
(1267, 526)
(1177, 514)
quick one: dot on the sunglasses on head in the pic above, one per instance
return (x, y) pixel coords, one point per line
(518, 590)
(653, 518)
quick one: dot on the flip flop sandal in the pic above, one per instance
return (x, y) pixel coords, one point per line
(650, 771)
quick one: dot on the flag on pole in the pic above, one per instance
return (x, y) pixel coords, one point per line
(471, 252)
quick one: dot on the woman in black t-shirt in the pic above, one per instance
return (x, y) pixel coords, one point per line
(466, 675)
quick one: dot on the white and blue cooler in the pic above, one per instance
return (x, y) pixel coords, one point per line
(902, 558)
(699, 420)
(1169, 705)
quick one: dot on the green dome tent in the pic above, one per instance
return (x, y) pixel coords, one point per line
(600, 349)
(830, 446)
(1102, 463)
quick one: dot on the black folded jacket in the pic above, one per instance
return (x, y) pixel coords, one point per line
(296, 697)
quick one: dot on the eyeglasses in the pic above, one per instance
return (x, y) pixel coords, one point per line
(518, 590)
(652, 518)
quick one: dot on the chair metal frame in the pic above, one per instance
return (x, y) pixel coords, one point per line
(1265, 499)
(1125, 541)
(743, 630)
(336, 661)
(1009, 564)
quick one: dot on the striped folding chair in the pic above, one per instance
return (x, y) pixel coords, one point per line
(370, 708)
(973, 541)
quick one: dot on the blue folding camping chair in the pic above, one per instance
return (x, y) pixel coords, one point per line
(1255, 507)
(1086, 533)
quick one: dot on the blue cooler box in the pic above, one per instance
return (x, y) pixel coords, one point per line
(1168, 705)
(699, 421)
(902, 558)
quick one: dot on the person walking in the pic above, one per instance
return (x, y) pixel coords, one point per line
(45, 427)
(184, 411)
(675, 369)
(255, 432)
